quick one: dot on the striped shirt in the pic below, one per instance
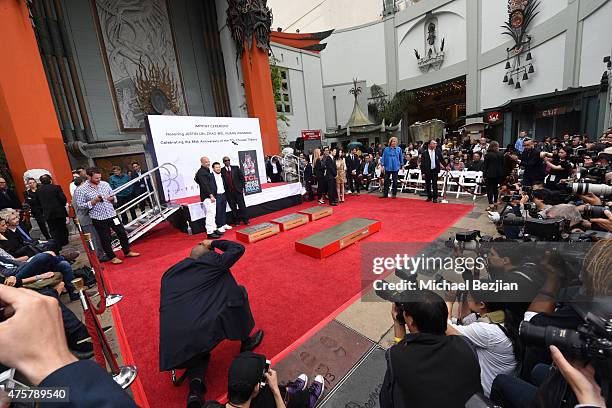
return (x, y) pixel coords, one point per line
(87, 192)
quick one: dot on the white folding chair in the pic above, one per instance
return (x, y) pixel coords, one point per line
(452, 184)
(415, 180)
(442, 183)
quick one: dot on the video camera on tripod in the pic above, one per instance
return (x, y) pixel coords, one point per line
(552, 229)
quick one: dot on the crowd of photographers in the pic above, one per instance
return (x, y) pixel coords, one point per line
(557, 189)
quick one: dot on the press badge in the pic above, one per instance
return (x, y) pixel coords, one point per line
(116, 221)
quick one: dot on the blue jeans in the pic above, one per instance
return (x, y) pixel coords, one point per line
(221, 216)
(41, 263)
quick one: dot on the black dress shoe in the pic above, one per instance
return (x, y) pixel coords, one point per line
(394, 196)
(435, 200)
(383, 196)
(333, 204)
(213, 236)
(194, 400)
(245, 222)
(253, 341)
(428, 199)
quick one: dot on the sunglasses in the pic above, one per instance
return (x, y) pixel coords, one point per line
(226, 160)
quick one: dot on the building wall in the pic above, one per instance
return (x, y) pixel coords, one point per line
(548, 61)
(451, 27)
(185, 16)
(355, 53)
(306, 90)
(339, 103)
(569, 40)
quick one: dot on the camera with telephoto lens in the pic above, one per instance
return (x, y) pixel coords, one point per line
(592, 342)
(551, 229)
(470, 241)
(597, 189)
(594, 211)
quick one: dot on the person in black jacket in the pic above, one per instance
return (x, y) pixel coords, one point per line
(352, 167)
(274, 170)
(493, 172)
(201, 305)
(319, 174)
(309, 178)
(233, 177)
(431, 164)
(443, 370)
(35, 208)
(34, 343)
(365, 173)
(329, 174)
(532, 160)
(8, 198)
(140, 188)
(208, 194)
(53, 203)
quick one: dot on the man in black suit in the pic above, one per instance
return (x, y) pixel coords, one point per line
(352, 166)
(431, 164)
(8, 198)
(233, 177)
(34, 343)
(365, 174)
(19, 242)
(140, 188)
(201, 304)
(53, 202)
(433, 358)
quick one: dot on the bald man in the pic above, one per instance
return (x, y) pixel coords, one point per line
(201, 305)
(208, 191)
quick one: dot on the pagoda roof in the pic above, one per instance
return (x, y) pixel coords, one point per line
(303, 41)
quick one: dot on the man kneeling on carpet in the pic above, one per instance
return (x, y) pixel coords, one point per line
(251, 383)
(201, 305)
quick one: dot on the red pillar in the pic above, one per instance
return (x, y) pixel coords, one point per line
(29, 130)
(260, 97)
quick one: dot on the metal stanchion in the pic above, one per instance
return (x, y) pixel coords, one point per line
(122, 375)
(90, 250)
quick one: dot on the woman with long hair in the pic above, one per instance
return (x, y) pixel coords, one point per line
(493, 172)
(319, 175)
(340, 176)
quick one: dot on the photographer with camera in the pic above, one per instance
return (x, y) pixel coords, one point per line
(420, 365)
(559, 168)
(575, 327)
(252, 383)
(494, 333)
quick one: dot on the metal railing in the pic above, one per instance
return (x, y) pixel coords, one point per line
(150, 197)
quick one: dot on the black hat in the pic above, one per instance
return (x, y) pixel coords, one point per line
(244, 373)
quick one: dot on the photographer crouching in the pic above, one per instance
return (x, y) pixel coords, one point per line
(427, 368)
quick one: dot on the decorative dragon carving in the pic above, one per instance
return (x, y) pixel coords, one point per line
(248, 19)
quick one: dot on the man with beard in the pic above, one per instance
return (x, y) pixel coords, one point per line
(201, 305)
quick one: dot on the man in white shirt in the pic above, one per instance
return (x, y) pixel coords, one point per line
(221, 200)
(481, 147)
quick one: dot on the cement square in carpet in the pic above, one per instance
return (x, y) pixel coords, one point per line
(331, 352)
(362, 386)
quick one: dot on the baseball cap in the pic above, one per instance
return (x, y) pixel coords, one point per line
(606, 154)
(244, 373)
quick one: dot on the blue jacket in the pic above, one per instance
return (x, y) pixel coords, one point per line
(117, 181)
(392, 158)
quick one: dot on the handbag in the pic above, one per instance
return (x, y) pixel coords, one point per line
(45, 283)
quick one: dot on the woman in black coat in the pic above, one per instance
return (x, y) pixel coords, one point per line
(493, 171)
(35, 207)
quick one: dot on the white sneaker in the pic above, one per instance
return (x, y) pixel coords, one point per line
(221, 229)
(227, 227)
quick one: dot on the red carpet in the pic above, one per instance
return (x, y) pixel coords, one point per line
(289, 292)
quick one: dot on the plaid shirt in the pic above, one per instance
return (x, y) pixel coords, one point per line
(87, 192)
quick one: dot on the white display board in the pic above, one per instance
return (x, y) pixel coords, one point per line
(183, 140)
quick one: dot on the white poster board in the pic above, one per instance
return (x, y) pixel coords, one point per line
(182, 140)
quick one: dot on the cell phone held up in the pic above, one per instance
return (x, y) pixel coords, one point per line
(263, 381)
